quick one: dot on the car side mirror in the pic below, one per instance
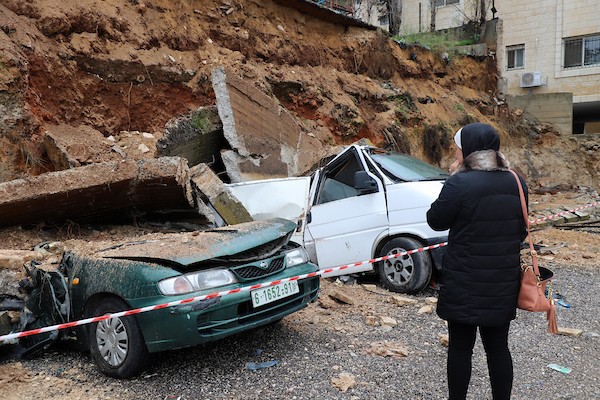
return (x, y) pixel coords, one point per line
(364, 183)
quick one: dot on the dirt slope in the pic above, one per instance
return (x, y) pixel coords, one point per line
(132, 65)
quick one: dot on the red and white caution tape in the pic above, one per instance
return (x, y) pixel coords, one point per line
(565, 212)
(205, 297)
(243, 289)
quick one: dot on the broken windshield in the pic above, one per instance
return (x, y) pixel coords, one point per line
(406, 168)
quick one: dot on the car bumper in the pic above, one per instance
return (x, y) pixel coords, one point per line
(209, 320)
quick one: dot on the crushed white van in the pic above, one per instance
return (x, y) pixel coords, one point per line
(365, 203)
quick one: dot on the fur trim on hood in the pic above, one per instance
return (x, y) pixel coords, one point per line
(484, 160)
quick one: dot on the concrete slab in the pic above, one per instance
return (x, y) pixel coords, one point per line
(98, 192)
(69, 147)
(197, 136)
(264, 136)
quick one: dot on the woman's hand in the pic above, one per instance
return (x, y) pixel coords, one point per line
(454, 166)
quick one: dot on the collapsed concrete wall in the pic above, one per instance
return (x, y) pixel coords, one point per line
(214, 199)
(97, 192)
(265, 139)
(197, 136)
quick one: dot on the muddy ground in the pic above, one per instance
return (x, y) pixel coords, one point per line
(26, 380)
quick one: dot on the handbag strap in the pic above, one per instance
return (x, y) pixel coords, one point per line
(534, 261)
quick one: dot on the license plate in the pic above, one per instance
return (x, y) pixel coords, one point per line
(269, 294)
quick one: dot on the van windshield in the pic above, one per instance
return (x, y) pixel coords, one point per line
(401, 167)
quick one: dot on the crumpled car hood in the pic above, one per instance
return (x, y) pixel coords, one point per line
(193, 247)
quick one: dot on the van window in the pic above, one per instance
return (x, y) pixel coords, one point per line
(338, 180)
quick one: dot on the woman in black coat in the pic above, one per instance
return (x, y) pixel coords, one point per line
(480, 205)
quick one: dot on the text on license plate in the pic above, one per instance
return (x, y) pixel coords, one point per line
(273, 293)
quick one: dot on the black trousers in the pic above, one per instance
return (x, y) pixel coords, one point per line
(460, 349)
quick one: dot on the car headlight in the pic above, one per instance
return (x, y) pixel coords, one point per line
(195, 281)
(296, 257)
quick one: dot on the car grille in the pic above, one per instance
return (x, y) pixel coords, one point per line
(256, 270)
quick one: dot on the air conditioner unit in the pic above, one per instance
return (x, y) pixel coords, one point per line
(531, 79)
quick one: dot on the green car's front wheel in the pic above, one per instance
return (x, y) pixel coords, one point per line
(117, 344)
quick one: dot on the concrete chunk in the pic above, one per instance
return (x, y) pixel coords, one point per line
(569, 331)
(210, 192)
(97, 192)
(198, 137)
(69, 147)
(263, 135)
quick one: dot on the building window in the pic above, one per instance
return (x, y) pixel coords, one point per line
(515, 56)
(441, 3)
(581, 51)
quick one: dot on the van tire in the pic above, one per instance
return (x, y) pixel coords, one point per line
(408, 274)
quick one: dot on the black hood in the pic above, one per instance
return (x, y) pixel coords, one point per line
(477, 136)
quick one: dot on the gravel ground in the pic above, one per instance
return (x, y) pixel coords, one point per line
(313, 347)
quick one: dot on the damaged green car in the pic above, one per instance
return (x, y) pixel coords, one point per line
(160, 269)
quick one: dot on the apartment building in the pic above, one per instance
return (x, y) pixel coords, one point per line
(548, 53)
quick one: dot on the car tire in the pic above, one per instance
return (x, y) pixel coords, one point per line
(117, 344)
(406, 274)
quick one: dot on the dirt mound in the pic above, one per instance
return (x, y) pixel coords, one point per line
(132, 66)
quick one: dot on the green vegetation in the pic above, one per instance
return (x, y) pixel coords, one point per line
(404, 101)
(459, 107)
(405, 106)
(201, 122)
(437, 42)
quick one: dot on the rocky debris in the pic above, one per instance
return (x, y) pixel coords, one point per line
(343, 381)
(387, 349)
(402, 300)
(431, 300)
(8, 319)
(426, 309)
(327, 302)
(388, 321)
(569, 331)
(384, 321)
(135, 145)
(97, 192)
(341, 297)
(444, 340)
(70, 147)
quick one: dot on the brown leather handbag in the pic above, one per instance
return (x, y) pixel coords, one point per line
(534, 279)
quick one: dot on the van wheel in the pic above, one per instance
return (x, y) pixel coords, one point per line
(405, 274)
(117, 345)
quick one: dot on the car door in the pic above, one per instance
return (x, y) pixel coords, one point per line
(343, 224)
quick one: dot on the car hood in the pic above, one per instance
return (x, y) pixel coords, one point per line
(194, 247)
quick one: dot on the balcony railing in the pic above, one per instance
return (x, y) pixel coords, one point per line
(345, 7)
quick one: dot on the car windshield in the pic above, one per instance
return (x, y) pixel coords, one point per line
(406, 168)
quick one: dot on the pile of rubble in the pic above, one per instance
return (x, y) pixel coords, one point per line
(130, 175)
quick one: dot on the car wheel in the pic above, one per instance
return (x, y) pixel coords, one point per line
(116, 344)
(406, 274)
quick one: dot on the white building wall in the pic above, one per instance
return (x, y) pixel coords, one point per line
(541, 27)
(450, 16)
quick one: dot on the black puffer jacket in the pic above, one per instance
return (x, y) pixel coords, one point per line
(480, 205)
